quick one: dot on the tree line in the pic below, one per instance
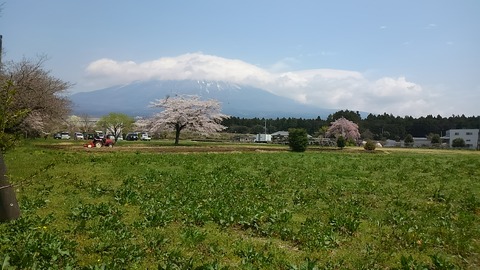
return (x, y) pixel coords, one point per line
(373, 126)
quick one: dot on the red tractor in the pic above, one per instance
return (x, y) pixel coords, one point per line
(99, 142)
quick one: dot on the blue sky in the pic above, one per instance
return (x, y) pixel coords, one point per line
(402, 57)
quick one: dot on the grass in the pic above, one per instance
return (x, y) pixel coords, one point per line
(140, 206)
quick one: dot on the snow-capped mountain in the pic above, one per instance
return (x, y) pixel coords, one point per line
(237, 100)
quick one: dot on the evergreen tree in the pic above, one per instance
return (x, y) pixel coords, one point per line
(297, 139)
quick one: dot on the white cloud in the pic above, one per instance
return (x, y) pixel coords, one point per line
(283, 65)
(326, 88)
(193, 66)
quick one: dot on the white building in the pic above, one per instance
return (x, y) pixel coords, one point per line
(263, 138)
(470, 136)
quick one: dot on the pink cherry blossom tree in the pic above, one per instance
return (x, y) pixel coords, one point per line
(345, 128)
(186, 112)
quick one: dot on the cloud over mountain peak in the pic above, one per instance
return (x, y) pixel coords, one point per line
(327, 88)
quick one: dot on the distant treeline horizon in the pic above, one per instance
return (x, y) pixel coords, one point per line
(377, 127)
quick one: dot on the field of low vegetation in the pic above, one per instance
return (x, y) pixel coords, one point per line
(227, 206)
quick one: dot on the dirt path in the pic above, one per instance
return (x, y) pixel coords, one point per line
(171, 149)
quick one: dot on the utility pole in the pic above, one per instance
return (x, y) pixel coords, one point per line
(265, 128)
(1, 52)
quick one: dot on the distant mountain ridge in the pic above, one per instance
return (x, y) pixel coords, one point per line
(236, 100)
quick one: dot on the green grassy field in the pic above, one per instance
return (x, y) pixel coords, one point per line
(209, 206)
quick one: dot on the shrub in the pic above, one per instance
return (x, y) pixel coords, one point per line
(370, 146)
(435, 139)
(297, 139)
(341, 142)
(458, 142)
(408, 140)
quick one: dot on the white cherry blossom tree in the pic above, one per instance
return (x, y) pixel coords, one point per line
(187, 112)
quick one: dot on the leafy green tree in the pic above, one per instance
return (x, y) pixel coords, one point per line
(458, 142)
(116, 123)
(435, 139)
(9, 116)
(408, 140)
(297, 139)
(322, 131)
(367, 135)
(257, 129)
(370, 145)
(349, 115)
(341, 142)
(238, 129)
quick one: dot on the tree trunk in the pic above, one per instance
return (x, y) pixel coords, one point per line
(177, 133)
(9, 209)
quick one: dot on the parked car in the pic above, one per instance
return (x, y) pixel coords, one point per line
(78, 136)
(144, 136)
(57, 136)
(65, 136)
(131, 137)
(99, 134)
(112, 137)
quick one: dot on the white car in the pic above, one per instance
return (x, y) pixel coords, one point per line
(144, 136)
(78, 136)
(65, 136)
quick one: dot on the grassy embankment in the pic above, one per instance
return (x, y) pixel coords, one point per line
(205, 206)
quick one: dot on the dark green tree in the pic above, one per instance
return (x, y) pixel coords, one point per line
(435, 139)
(297, 139)
(257, 129)
(349, 115)
(367, 134)
(341, 142)
(408, 140)
(458, 143)
(370, 145)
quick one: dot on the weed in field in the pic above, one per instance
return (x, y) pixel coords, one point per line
(155, 242)
(30, 242)
(192, 236)
(129, 192)
(154, 215)
(30, 204)
(308, 264)
(409, 263)
(439, 195)
(253, 257)
(315, 235)
(175, 260)
(470, 202)
(345, 216)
